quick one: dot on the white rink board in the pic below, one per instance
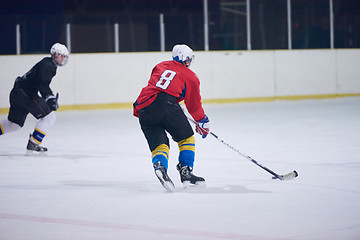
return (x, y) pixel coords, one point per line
(118, 77)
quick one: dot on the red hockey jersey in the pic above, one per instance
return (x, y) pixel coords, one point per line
(177, 80)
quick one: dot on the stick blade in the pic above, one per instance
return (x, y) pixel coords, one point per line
(288, 176)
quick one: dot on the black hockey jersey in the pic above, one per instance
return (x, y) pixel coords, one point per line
(38, 79)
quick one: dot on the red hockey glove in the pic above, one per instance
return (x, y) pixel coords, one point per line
(203, 127)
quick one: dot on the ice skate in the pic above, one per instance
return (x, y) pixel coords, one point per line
(34, 148)
(163, 177)
(188, 178)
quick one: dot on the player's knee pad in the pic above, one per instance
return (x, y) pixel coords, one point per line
(161, 153)
(187, 151)
(6, 126)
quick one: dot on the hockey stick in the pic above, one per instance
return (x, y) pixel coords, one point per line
(288, 176)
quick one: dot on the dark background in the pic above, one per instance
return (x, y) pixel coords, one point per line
(43, 22)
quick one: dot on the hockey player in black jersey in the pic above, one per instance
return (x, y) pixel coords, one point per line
(24, 98)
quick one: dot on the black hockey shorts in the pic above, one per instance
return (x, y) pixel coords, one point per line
(164, 115)
(21, 105)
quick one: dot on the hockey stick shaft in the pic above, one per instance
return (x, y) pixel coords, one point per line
(245, 156)
(281, 177)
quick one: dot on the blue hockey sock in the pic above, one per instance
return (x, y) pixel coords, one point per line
(38, 136)
(161, 153)
(187, 151)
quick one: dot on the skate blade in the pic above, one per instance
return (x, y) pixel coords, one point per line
(188, 184)
(169, 186)
(35, 153)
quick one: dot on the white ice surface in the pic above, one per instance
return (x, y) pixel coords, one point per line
(97, 182)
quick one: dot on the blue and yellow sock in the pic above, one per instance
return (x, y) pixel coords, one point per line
(161, 153)
(38, 136)
(1, 130)
(187, 151)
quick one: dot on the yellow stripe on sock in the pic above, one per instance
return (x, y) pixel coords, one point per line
(35, 140)
(187, 144)
(162, 149)
(40, 131)
(1, 130)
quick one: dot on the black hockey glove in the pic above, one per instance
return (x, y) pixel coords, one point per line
(52, 102)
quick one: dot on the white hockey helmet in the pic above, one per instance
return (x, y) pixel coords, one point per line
(59, 49)
(183, 54)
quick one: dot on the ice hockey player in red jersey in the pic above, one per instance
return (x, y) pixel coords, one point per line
(24, 99)
(159, 111)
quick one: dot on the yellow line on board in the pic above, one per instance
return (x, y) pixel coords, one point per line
(98, 106)
(269, 99)
(101, 106)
